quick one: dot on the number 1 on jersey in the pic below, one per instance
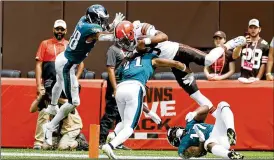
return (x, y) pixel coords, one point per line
(137, 64)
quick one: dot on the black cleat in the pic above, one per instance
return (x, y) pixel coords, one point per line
(231, 136)
(235, 155)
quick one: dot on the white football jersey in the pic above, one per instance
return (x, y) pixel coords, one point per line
(168, 48)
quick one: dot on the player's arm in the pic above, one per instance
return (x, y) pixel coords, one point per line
(155, 36)
(105, 36)
(160, 62)
(270, 62)
(151, 114)
(80, 70)
(198, 115)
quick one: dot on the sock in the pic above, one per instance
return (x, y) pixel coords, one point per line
(219, 150)
(213, 55)
(122, 136)
(63, 112)
(227, 117)
(56, 92)
(118, 128)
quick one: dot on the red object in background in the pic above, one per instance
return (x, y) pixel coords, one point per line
(18, 124)
(252, 105)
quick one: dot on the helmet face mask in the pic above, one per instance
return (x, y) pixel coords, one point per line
(174, 135)
(124, 34)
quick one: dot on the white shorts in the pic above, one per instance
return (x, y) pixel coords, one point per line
(129, 98)
(219, 132)
(65, 77)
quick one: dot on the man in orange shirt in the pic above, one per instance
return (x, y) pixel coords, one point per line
(45, 71)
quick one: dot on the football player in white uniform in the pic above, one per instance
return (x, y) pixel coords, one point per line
(148, 37)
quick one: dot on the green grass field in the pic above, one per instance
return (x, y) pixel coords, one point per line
(7, 153)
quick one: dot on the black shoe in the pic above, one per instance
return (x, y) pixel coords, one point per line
(231, 136)
(82, 143)
(123, 147)
(234, 155)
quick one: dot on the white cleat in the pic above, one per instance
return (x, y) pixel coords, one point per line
(235, 42)
(110, 137)
(47, 133)
(108, 151)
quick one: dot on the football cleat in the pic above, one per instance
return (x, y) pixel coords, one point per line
(236, 42)
(235, 155)
(231, 136)
(108, 151)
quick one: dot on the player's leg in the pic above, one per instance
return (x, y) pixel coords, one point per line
(132, 113)
(228, 119)
(121, 95)
(59, 85)
(219, 150)
(193, 91)
(111, 114)
(217, 52)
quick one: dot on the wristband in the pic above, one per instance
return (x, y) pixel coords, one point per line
(268, 74)
(147, 41)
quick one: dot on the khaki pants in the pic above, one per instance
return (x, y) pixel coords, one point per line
(43, 118)
(68, 140)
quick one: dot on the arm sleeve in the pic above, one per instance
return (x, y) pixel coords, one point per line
(272, 43)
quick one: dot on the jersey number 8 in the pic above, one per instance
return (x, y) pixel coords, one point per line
(74, 40)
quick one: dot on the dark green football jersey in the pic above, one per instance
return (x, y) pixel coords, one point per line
(191, 138)
(78, 48)
(139, 69)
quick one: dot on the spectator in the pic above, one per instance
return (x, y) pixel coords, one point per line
(254, 54)
(68, 134)
(224, 67)
(45, 71)
(270, 61)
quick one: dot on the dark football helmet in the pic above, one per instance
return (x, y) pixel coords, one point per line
(174, 135)
(97, 14)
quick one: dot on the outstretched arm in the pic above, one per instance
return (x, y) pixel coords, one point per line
(160, 62)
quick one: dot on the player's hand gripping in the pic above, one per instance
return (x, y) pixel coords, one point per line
(154, 117)
(188, 79)
(199, 133)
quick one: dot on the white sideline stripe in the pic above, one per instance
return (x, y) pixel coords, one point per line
(3, 154)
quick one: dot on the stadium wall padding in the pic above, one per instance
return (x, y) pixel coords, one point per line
(26, 24)
(252, 105)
